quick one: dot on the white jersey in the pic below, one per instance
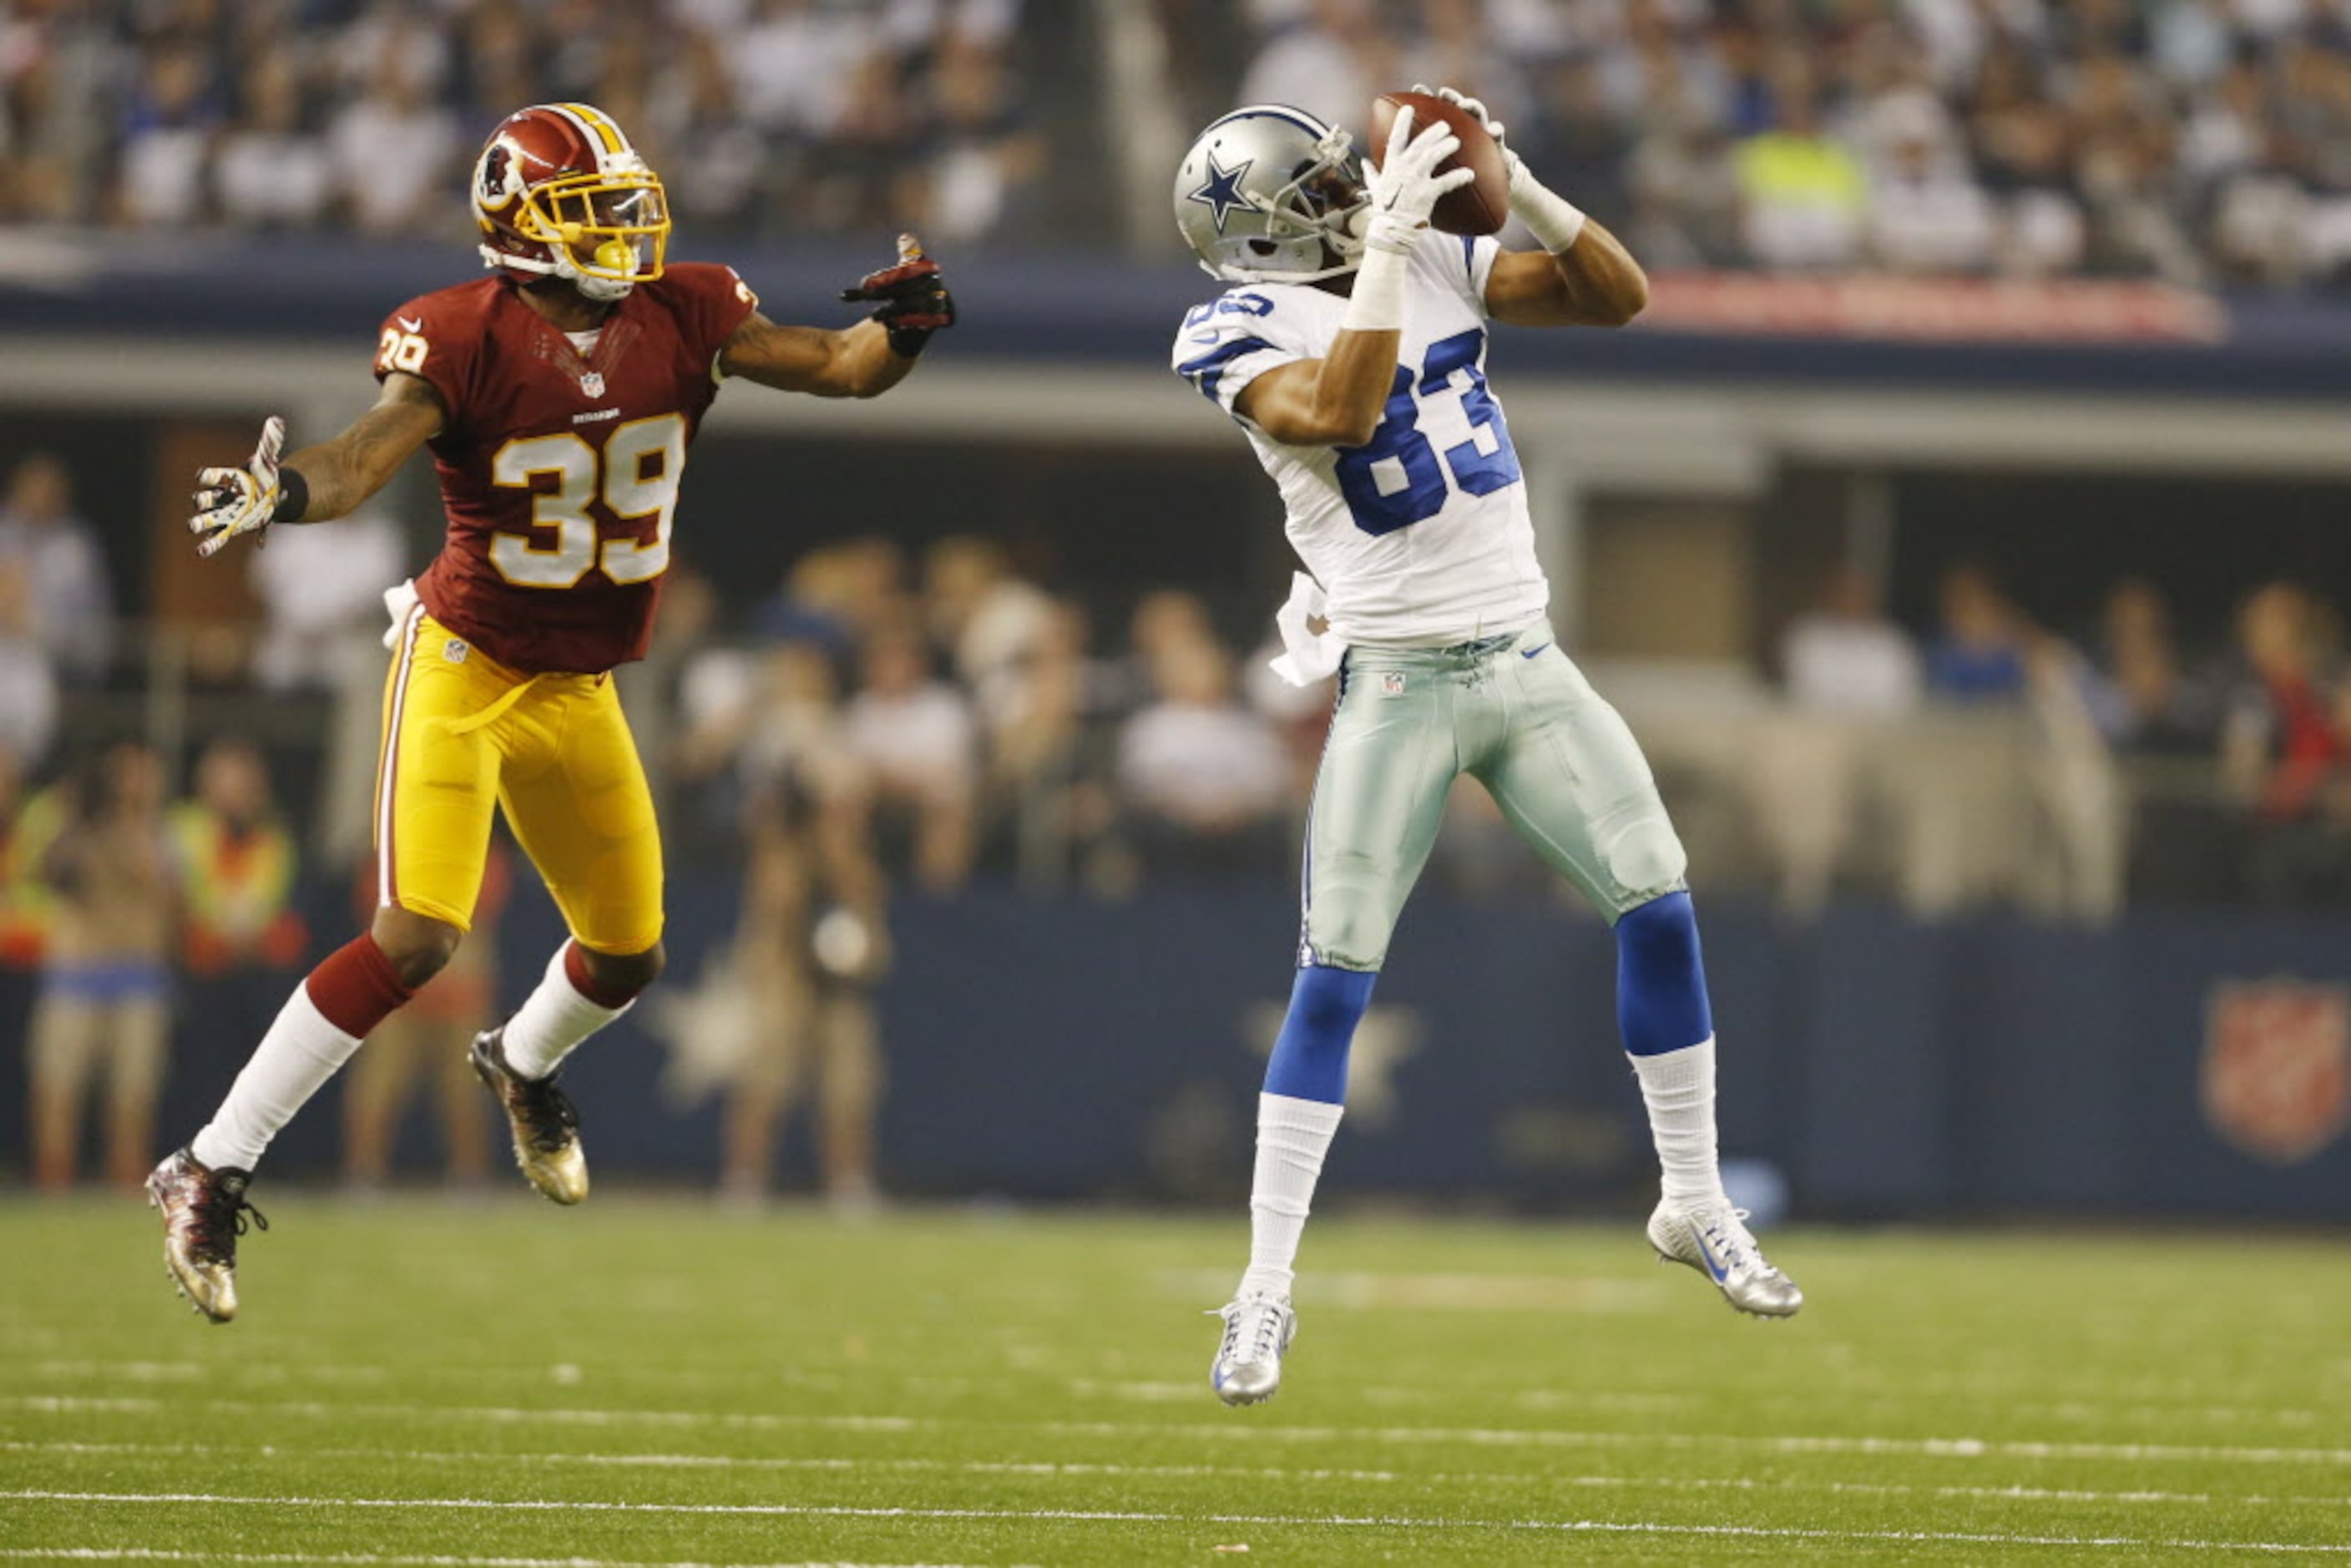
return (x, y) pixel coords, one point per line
(1420, 536)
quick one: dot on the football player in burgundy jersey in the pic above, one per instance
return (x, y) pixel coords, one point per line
(558, 396)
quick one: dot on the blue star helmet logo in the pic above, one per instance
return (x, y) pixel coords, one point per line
(1223, 191)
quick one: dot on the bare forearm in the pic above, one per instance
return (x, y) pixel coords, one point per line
(341, 474)
(1351, 392)
(1336, 401)
(855, 361)
(871, 367)
(339, 479)
(1604, 286)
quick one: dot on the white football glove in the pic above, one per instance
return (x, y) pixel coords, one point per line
(1476, 108)
(1549, 217)
(1405, 186)
(233, 501)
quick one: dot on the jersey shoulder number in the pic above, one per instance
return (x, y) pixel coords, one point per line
(1230, 341)
(436, 336)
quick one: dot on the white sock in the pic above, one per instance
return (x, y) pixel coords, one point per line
(551, 1020)
(1292, 1136)
(1678, 1087)
(297, 1056)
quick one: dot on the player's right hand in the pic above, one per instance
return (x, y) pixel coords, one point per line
(912, 295)
(1406, 184)
(1477, 110)
(233, 501)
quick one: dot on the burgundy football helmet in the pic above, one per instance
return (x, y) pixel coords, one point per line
(559, 193)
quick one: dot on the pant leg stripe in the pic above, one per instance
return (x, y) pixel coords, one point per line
(387, 878)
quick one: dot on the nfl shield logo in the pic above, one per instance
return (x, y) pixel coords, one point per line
(1392, 685)
(2276, 1081)
(593, 383)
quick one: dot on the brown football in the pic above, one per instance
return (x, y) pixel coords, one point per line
(1480, 207)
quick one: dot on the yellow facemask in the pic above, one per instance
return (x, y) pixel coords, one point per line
(612, 225)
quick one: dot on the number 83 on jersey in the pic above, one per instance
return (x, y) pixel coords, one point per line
(1399, 476)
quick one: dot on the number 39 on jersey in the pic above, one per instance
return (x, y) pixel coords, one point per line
(634, 476)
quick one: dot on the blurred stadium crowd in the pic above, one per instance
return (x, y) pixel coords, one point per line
(948, 718)
(2198, 141)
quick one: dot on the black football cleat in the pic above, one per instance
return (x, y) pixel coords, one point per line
(203, 1214)
(546, 1127)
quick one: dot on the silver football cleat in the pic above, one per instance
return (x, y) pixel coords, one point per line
(1713, 1239)
(1257, 1328)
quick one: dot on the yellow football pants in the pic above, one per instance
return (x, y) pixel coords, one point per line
(463, 735)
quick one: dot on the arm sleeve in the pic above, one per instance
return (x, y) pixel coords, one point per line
(424, 339)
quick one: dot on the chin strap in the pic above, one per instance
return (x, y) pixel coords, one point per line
(604, 290)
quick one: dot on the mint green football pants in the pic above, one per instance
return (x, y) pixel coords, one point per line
(1513, 712)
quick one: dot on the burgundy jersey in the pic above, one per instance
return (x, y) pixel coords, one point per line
(559, 468)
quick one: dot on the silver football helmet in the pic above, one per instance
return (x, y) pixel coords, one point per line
(1264, 189)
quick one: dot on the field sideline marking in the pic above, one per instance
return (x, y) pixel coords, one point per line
(1487, 1436)
(1083, 1467)
(1119, 1516)
(437, 1560)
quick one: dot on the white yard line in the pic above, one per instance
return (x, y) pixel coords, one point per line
(1126, 1516)
(1160, 1391)
(1476, 1436)
(1075, 1469)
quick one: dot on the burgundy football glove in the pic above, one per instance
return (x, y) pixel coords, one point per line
(914, 301)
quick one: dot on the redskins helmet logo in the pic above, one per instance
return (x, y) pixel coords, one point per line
(493, 181)
(492, 174)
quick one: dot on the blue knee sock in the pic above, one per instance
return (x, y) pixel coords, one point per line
(1310, 1055)
(1661, 1002)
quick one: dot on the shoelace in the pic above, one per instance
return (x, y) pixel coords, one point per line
(1731, 1240)
(1265, 1342)
(219, 1214)
(547, 1110)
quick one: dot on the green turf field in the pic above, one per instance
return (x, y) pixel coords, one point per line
(647, 1382)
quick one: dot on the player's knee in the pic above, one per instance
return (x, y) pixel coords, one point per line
(625, 973)
(1647, 862)
(1347, 926)
(1357, 944)
(417, 946)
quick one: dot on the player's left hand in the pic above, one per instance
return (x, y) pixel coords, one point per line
(233, 501)
(1477, 110)
(913, 296)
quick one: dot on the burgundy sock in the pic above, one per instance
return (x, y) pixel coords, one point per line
(575, 969)
(354, 988)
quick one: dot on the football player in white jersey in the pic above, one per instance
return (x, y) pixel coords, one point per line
(1352, 352)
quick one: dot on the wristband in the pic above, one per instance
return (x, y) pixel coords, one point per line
(1376, 304)
(293, 497)
(1551, 217)
(906, 341)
